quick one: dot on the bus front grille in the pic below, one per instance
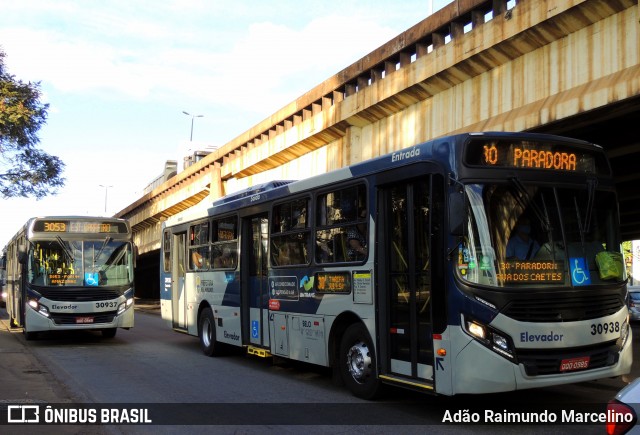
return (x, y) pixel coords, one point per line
(78, 294)
(563, 308)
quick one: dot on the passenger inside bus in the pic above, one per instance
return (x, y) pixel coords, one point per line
(197, 261)
(225, 259)
(357, 239)
(522, 245)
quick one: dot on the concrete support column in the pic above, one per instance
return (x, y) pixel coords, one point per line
(352, 144)
(216, 189)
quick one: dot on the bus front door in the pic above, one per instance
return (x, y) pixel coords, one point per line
(178, 293)
(255, 290)
(404, 268)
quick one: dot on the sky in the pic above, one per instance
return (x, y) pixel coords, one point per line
(118, 75)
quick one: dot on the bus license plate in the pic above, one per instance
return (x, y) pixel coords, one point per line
(567, 365)
(84, 319)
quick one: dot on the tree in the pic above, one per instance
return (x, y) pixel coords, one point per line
(25, 170)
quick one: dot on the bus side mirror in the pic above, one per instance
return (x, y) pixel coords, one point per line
(457, 214)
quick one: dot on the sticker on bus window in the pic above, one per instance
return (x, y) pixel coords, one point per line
(579, 271)
(255, 329)
(91, 279)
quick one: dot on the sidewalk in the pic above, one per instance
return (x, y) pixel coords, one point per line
(23, 378)
(148, 305)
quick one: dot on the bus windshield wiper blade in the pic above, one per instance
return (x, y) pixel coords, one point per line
(525, 201)
(104, 245)
(591, 197)
(68, 253)
(584, 226)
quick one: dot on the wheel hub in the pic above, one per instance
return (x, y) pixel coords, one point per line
(359, 361)
(206, 333)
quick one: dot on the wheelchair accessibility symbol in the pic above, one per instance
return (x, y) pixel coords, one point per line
(579, 272)
(255, 332)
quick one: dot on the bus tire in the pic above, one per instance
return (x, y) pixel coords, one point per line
(30, 335)
(207, 333)
(109, 332)
(358, 362)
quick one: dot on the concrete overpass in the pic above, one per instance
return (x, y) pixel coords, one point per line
(569, 67)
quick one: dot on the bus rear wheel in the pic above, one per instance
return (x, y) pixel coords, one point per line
(207, 333)
(358, 362)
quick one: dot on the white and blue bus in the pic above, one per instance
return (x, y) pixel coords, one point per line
(70, 273)
(474, 263)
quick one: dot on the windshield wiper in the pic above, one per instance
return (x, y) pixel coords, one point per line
(104, 245)
(585, 226)
(525, 201)
(68, 253)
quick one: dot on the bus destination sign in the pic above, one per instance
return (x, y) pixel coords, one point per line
(79, 226)
(531, 272)
(530, 155)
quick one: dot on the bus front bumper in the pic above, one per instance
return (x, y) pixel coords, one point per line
(478, 370)
(77, 315)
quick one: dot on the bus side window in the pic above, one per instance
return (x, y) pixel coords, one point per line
(290, 233)
(341, 226)
(199, 246)
(166, 253)
(224, 249)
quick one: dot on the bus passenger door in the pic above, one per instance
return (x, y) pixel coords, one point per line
(178, 274)
(404, 270)
(255, 290)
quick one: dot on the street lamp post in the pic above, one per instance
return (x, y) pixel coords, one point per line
(106, 189)
(192, 118)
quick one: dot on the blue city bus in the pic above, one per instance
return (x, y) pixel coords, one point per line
(69, 273)
(475, 263)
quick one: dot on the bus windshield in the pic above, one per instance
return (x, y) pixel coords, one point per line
(521, 235)
(95, 263)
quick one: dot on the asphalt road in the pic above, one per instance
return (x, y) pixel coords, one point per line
(163, 372)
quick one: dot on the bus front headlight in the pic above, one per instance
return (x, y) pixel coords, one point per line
(495, 340)
(37, 306)
(624, 335)
(125, 305)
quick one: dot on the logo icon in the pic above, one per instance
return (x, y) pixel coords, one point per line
(23, 414)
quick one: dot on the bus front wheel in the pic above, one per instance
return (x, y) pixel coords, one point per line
(109, 332)
(30, 335)
(207, 333)
(358, 363)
